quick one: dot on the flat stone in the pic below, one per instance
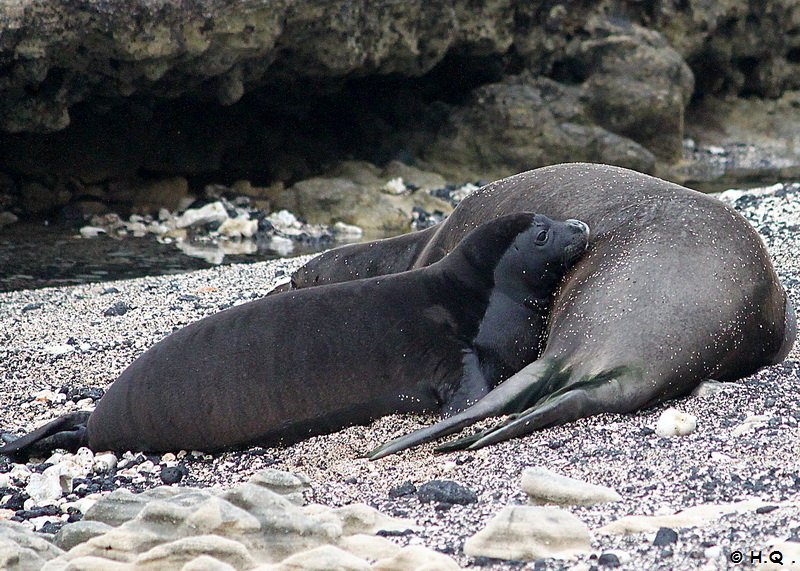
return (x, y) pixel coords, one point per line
(23, 550)
(544, 486)
(527, 533)
(371, 547)
(446, 491)
(79, 532)
(690, 517)
(418, 558)
(291, 486)
(323, 558)
(181, 551)
(207, 563)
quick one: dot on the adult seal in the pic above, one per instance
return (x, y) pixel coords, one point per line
(316, 360)
(676, 288)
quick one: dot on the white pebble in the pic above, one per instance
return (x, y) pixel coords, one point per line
(59, 349)
(213, 212)
(750, 423)
(395, 186)
(47, 395)
(283, 218)
(20, 472)
(105, 462)
(92, 231)
(347, 230)
(238, 227)
(675, 423)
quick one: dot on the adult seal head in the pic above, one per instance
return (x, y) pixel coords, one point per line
(676, 288)
(289, 366)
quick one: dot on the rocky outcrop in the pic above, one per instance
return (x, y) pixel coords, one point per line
(361, 194)
(258, 525)
(97, 96)
(505, 127)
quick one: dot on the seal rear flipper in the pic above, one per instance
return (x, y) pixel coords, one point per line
(609, 392)
(510, 396)
(68, 432)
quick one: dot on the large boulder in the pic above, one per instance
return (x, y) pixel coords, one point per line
(525, 122)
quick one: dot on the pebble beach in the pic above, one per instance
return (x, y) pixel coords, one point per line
(59, 345)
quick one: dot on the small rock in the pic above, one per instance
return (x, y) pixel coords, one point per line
(290, 486)
(44, 488)
(673, 422)
(172, 474)
(106, 462)
(91, 231)
(608, 560)
(119, 308)
(708, 388)
(347, 231)
(59, 349)
(30, 307)
(238, 227)
(283, 246)
(395, 186)
(544, 486)
(212, 212)
(446, 491)
(752, 422)
(665, 536)
(7, 218)
(404, 489)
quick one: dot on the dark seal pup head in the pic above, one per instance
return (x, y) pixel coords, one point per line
(313, 361)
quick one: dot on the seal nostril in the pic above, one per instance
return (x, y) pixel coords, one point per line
(578, 224)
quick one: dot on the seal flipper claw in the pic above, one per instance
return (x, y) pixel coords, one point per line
(68, 431)
(510, 396)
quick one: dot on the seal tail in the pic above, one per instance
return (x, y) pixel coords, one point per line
(68, 432)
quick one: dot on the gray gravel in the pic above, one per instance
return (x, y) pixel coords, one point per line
(653, 475)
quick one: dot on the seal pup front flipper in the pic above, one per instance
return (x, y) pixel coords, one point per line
(509, 397)
(68, 432)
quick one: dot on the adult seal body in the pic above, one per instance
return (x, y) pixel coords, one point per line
(676, 288)
(312, 361)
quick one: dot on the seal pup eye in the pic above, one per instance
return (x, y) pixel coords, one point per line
(541, 237)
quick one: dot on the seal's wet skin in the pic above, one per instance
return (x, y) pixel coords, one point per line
(288, 366)
(676, 288)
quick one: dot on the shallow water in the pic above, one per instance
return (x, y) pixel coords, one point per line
(34, 255)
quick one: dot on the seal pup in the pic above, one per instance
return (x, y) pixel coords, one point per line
(312, 361)
(676, 288)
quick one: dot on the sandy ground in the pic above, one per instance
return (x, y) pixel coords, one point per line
(653, 475)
